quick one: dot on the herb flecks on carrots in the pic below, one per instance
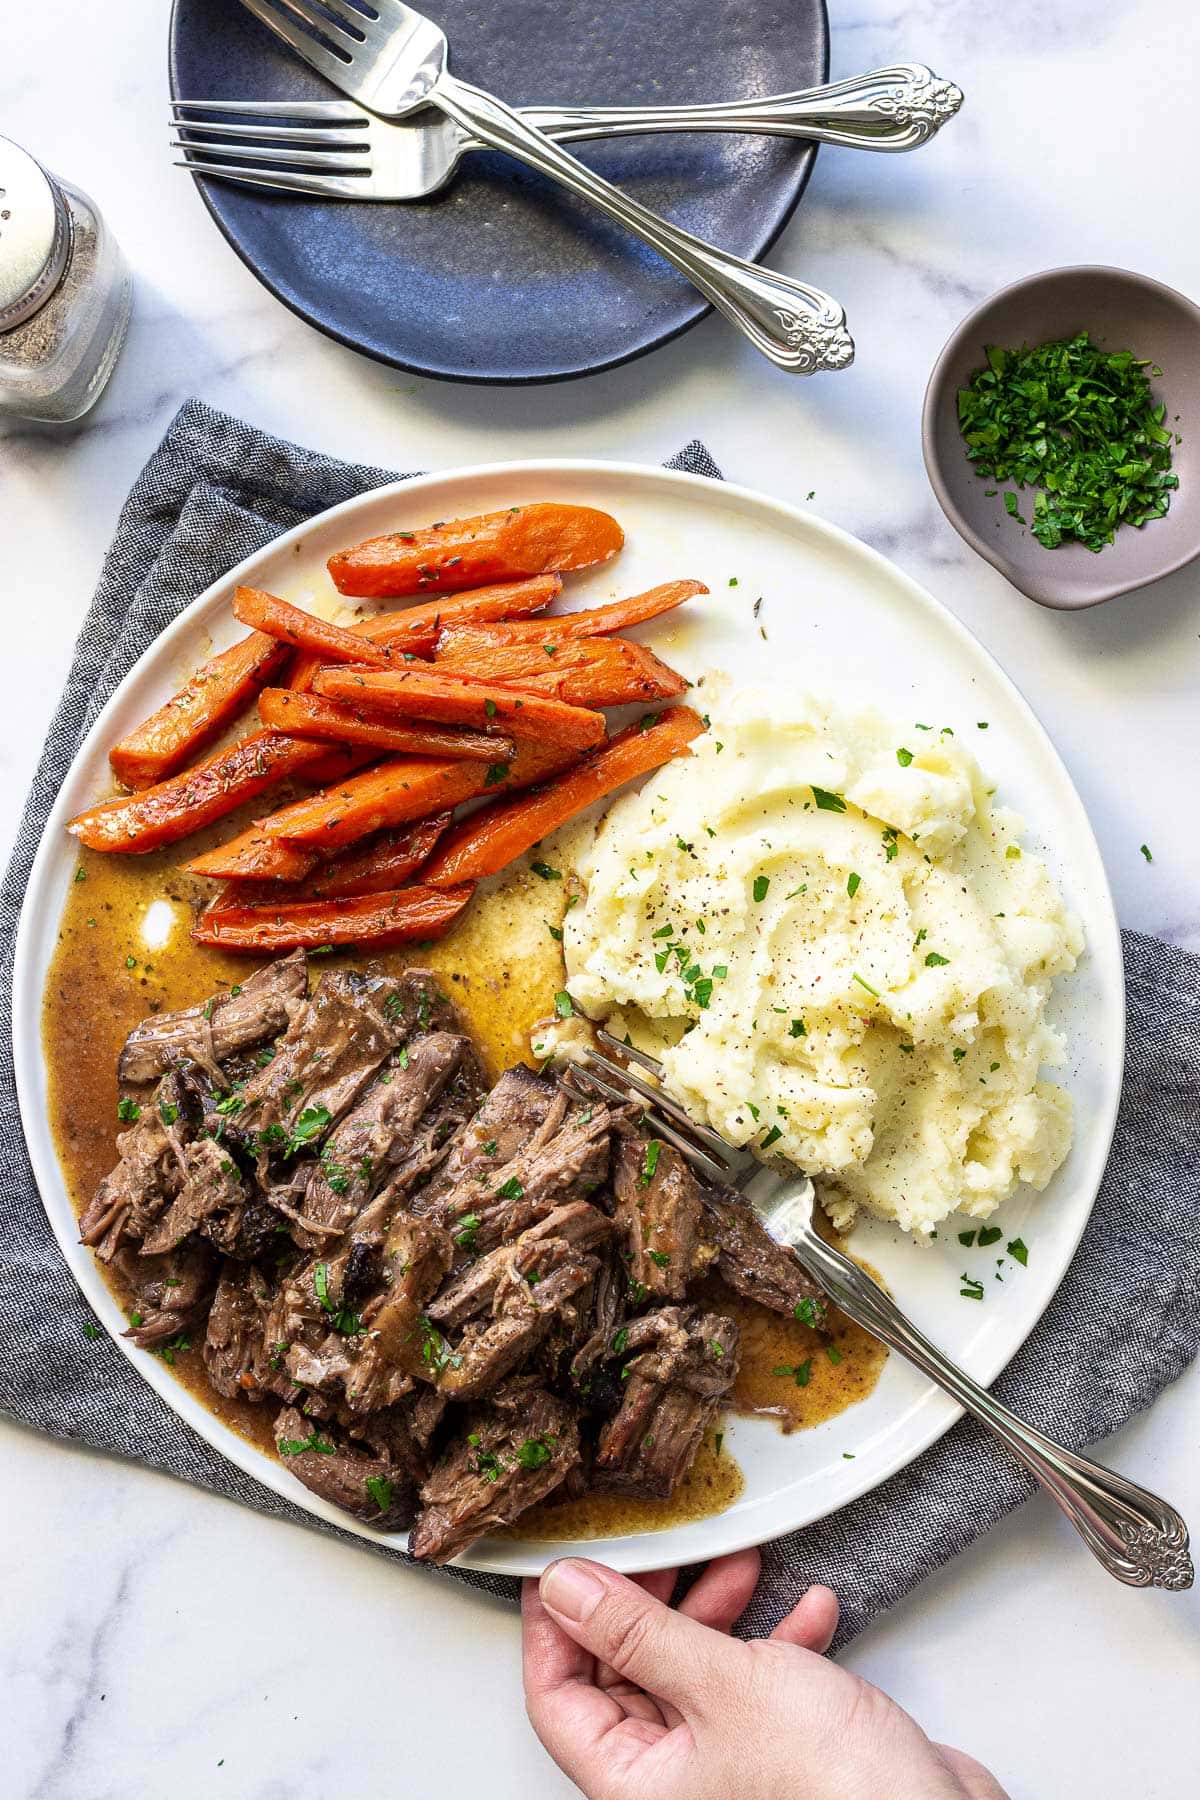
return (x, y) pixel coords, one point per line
(1079, 425)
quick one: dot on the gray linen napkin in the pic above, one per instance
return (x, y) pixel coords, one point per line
(1125, 1322)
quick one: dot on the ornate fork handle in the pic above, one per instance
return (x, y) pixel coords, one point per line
(890, 109)
(797, 327)
(1135, 1535)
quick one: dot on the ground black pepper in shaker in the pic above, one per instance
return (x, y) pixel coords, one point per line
(64, 294)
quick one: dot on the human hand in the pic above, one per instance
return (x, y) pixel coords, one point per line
(637, 1701)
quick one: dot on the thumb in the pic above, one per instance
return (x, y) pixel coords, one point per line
(669, 1655)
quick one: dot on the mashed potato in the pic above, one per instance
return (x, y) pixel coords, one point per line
(841, 953)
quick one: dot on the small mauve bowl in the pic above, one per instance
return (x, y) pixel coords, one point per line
(1121, 311)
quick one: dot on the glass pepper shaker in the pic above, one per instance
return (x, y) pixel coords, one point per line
(64, 294)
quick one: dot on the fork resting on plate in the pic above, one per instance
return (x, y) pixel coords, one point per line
(1136, 1536)
(339, 150)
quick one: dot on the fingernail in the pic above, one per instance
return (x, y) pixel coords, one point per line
(572, 1589)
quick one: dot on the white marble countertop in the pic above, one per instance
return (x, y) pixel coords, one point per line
(158, 1641)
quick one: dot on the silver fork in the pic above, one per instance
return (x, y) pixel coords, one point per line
(393, 60)
(337, 149)
(1136, 1536)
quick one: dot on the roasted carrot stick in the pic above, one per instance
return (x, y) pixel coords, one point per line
(253, 856)
(191, 718)
(634, 680)
(390, 918)
(489, 839)
(304, 631)
(465, 553)
(386, 862)
(307, 715)
(595, 621)
(413, 693)
(604, 671)
(375, 867)
(405, 789)
(214, 787)
(414, 629)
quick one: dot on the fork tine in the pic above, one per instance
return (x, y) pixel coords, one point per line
(300, 135)
(307, 47)
(708, 1166)
(331, 112)
(624, 1049)
(334, 162)
(329, 187)
(713, 1142)
(360, 25)
(337, 24)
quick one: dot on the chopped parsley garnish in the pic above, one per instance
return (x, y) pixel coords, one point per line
(511, 1189)
(177, 1345)
(496, 772)
(379, 1489)
(296, 1446)
(555, 931)
(1146, 853)
(989, 1234)
(650, 1162)
(967, 1238)
(773, 1136)
(660, 1259)
(620, 1341)
(546, 872)
(128, 1111)
(797, 1029)
(971, 1289)
(853, 883)
(1019, 1252)
(958, 1055)
(310, 1124)
(167, 1113)
(534, 1453)
(562, 1003)
(904, 757)
(1080, 426)
(468, 1229)
(490, 708)
(827, 802)
(809, 1312)
(321, 1287)
(934, 961)
(761, 884)
(798, 1372)
(874, 992)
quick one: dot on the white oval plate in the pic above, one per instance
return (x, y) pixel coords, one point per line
(837, 618)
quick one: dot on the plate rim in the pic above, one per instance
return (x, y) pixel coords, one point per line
(494, 1555)
(700, 308)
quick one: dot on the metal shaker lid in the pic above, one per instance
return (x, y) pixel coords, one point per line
(35, 235)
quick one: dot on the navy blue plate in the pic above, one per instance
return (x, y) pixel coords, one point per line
(503, 276)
